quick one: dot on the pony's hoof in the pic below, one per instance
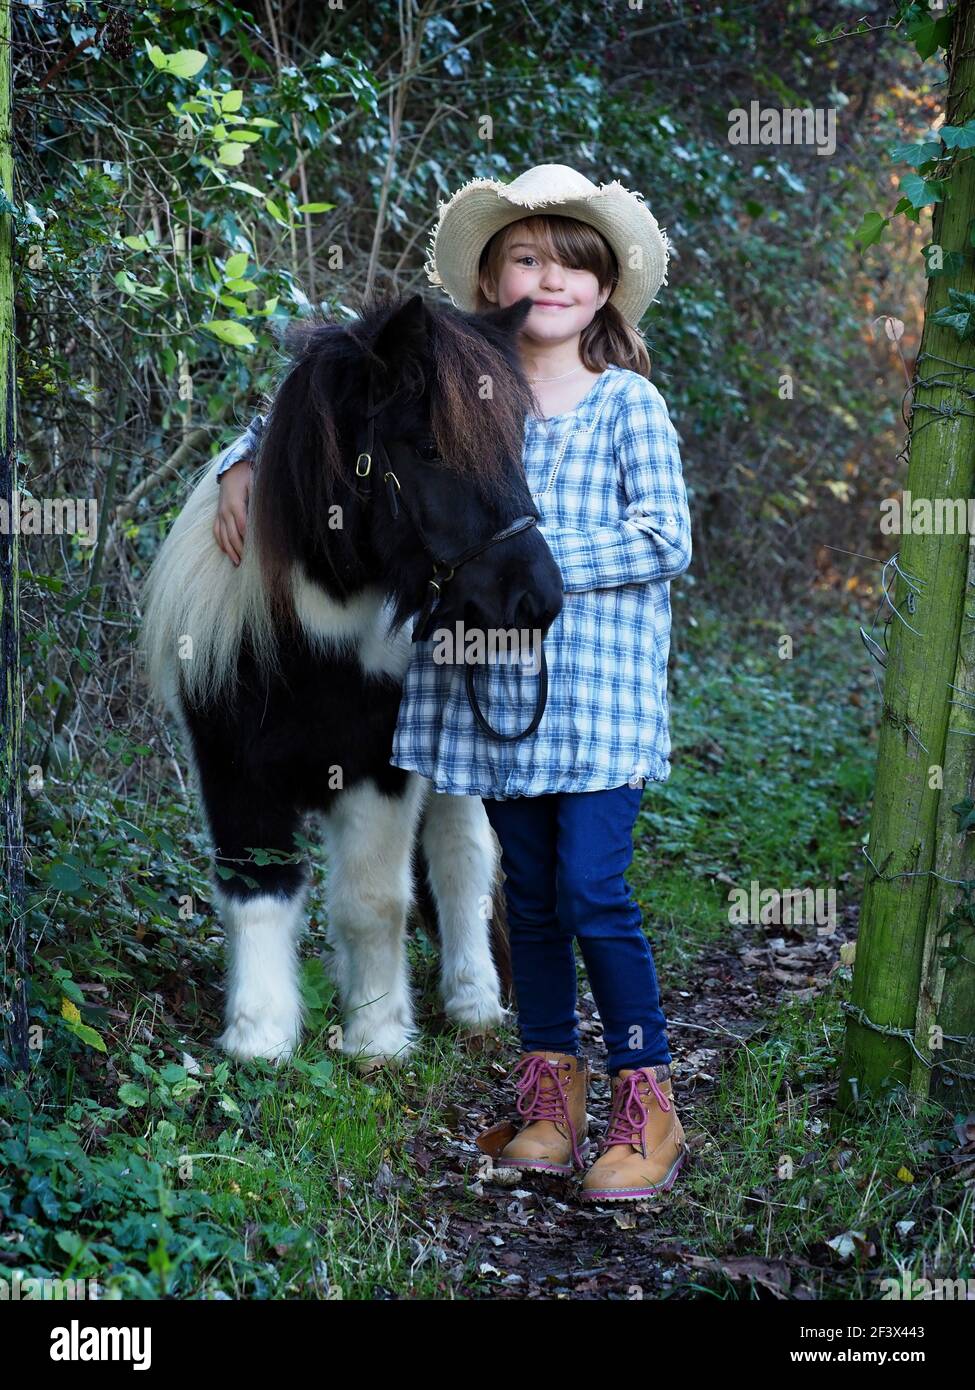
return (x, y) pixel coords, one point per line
(245, 1039)
(476, 1012)
(386, 1054)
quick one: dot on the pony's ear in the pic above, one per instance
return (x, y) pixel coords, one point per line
(405, 333)
(511, 319)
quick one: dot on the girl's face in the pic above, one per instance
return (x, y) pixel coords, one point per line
(566, 298)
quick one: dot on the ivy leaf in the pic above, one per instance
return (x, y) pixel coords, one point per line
(922, 192)
(965, 811)
(959, 315)
(871, 229)
(959, 137)
(951, 262)
(929, 34)
(916, 154)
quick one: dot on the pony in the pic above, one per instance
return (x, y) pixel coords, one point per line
(285, 673)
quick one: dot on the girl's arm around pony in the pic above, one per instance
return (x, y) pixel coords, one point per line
(235, 484)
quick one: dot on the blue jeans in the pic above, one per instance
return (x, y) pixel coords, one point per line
(565, 856)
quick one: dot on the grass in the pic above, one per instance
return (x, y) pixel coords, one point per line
(142, 1158)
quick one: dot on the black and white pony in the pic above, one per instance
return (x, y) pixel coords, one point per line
(285, 674)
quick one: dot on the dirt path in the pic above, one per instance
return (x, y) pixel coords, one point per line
(535, 1239)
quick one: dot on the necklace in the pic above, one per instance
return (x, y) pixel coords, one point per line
(535, 379)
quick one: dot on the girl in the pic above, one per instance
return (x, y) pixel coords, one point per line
(603, 464)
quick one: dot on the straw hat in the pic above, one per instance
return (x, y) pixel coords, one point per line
(469, 219)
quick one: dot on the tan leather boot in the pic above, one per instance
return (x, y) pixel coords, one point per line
(552, 1091)
(644, 1146)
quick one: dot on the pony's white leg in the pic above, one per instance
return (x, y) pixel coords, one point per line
(370, 889)
(462, 854)
(263, 1007)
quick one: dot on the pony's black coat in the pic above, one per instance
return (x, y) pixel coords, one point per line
(273, 755)
(269, 752)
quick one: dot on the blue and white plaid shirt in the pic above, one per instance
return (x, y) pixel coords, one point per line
(607, 480)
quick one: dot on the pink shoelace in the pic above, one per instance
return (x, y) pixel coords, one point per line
(629, 1116)
(534, 1103)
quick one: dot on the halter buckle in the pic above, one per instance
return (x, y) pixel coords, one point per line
(359, 470)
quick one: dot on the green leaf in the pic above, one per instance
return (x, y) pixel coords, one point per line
(951, 262)
(230, 331)
(916, 154)
(959, 137)
(315, 207)
(231, 101)
(871, 229)
(128, 828)
(959, 315)
(236, 265)
(929, 34)
(187, 62)
(64, 878)
(231, 153)
(922, 192)
(132, 1095)
(86, 1034)
(71, 1243)
(276, 212)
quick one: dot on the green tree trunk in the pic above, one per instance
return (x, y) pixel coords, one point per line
(896, 984)
(945, 1067)
(11, 701)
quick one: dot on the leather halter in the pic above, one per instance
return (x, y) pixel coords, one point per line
(443, 570)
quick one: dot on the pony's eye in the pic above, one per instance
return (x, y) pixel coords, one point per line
(427, 449)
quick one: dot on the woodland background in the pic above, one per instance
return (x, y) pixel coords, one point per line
(170, 218)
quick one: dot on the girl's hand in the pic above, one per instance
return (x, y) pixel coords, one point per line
(231, 519)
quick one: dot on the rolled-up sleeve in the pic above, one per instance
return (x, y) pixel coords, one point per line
(244, 446)
(652, 541)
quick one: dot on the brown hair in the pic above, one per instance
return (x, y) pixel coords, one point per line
(609, 339)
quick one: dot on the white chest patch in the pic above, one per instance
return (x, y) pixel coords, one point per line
(359, 627)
